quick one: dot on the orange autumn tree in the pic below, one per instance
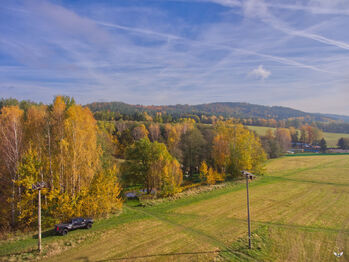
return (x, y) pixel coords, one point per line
(283, 136)
(310, 134)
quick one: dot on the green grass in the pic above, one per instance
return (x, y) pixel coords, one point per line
(331, 138)
(299, 212)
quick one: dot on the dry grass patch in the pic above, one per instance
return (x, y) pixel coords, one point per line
(143, 239)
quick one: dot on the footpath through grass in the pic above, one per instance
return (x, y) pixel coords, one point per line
(299, 213)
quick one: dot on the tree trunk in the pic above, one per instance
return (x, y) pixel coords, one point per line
(49, 154)
(13, 205)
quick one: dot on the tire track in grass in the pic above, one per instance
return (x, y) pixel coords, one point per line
(309, 181)
(227, 252)
(233, 187)
(262, 180)
(276, 224)
(300, 170)
(164, 212)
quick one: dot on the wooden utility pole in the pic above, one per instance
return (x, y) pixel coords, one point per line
(39, 219)
(248, 176)
(248, 214)
(38, 186)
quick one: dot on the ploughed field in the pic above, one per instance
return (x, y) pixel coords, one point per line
(299, 209)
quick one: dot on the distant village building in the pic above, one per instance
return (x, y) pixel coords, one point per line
(304, 147)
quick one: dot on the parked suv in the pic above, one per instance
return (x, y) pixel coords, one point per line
(75, 223)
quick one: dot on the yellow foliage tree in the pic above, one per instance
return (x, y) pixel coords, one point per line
(235, 148)
(35, 132)
(210, 177)
(56, 145)
(219, 177)
(140, 132)
(81, 148)
(103, 197)
(29, 172)
(203, 171)
(151, 165)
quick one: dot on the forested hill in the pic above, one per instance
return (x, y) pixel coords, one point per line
(226, 109)
(337, 117)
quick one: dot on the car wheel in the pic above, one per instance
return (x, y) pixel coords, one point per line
(64, 232)
(89, 225)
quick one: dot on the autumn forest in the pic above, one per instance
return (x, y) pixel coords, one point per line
(87, 165)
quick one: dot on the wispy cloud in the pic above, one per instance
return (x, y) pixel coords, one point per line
(281, 60)
(313, 9)
(138, 30)
(228, 3)
(259, 9)
(154, 53)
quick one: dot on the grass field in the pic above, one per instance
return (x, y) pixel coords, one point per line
(299, 213)
(331, 138)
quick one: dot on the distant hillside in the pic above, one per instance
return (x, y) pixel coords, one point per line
(337, 117)
(226, 109)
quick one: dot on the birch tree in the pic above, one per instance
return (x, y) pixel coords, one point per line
(11, 135)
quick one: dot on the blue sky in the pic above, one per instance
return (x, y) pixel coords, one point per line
(289, 53)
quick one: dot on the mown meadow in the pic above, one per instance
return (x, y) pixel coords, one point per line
(299, 212)
(331, 138)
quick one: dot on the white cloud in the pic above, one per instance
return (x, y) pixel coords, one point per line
(260, 72)
(255, 8)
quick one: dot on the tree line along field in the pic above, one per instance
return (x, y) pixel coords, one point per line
(299, 212)
(62, 146)
(331, 138)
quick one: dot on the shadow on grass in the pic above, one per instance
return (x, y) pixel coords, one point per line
(47, 233)
(309, 181)
(29, 251)
(86, 259)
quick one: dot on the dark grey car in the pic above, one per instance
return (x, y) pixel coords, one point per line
(73, 224)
